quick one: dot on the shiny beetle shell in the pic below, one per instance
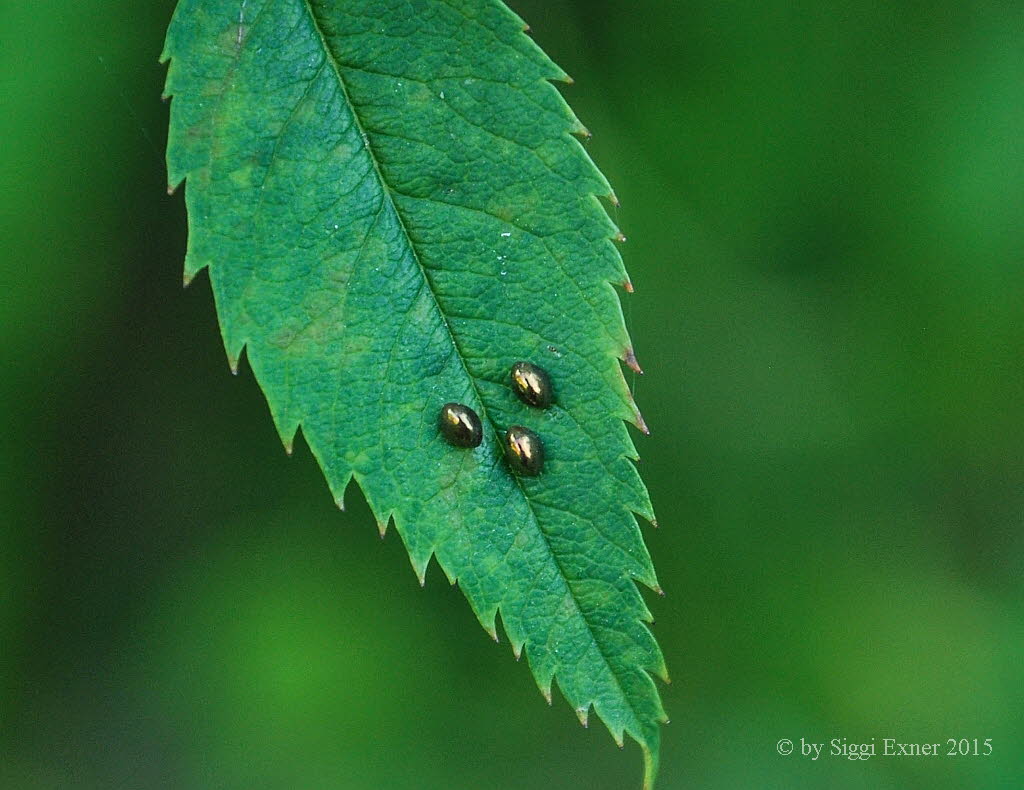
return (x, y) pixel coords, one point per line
(460, 425)
(532, 384)
(525, 451)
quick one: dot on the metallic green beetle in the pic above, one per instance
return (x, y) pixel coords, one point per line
(532, 384)
(460, 425)
(525, 451)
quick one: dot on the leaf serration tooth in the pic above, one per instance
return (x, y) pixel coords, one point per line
(641, 425)
(630, 359)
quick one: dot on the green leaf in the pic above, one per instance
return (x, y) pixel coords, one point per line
(393, 210)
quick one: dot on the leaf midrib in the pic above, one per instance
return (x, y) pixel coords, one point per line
(386, 189)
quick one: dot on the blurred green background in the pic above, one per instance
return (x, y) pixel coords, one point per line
(824, 206)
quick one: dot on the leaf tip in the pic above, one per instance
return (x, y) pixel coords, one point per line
(620, 237)
(650, 766)
(583, 714)
(627, 286)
